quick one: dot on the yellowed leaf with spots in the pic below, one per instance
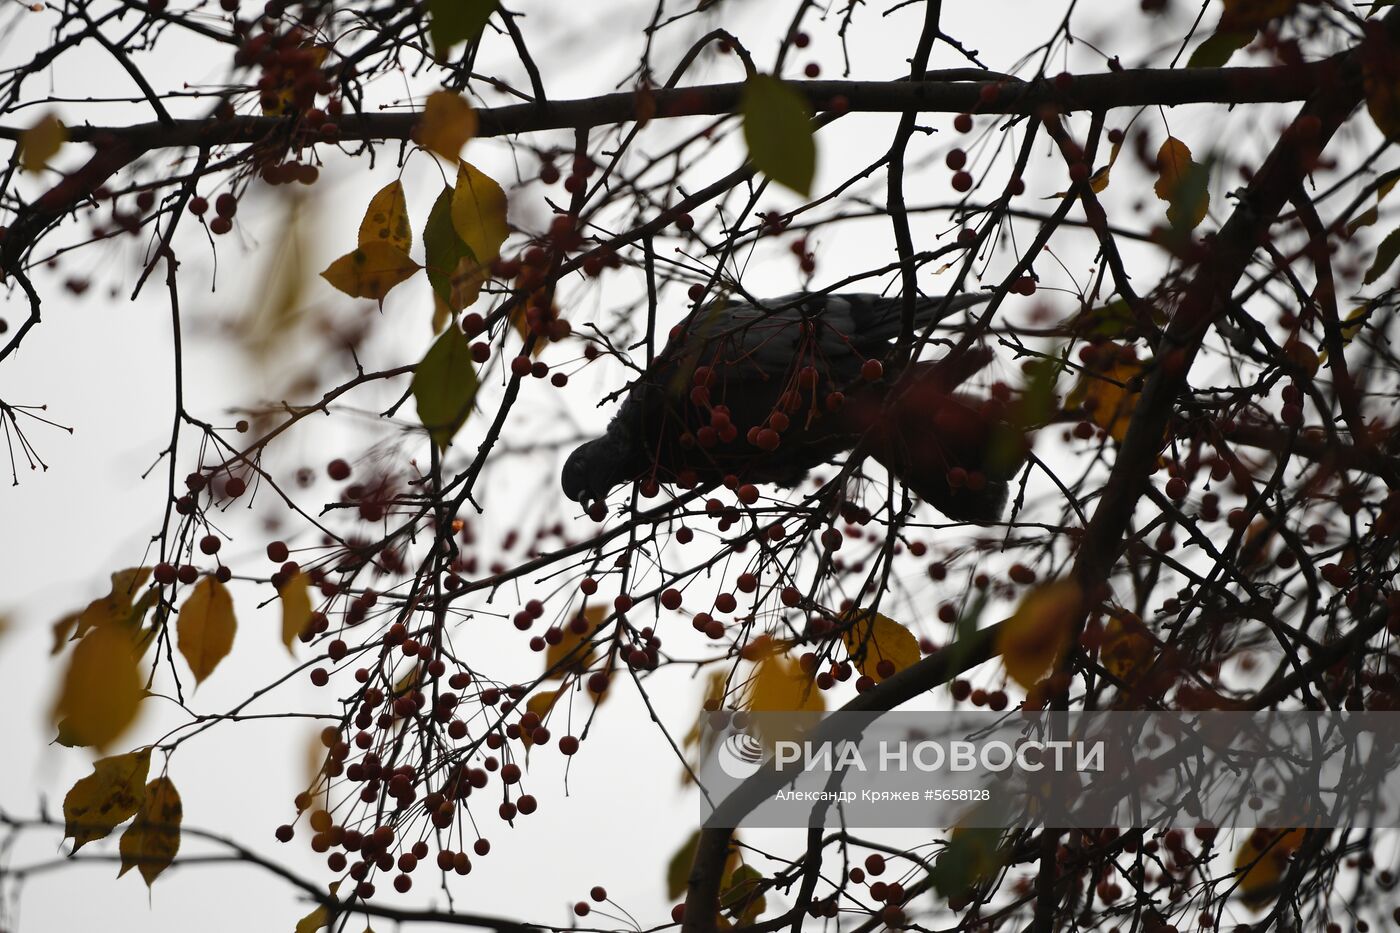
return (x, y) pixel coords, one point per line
(370, 271)
(573, 653)
(153, 838)
(101, 690)
(873, 639)
(296, 607)
(1034, 639)
(41, 142)
(205, 627)
(447, 123)
(386, 219)
(106, 798)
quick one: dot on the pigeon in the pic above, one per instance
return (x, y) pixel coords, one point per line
(762, 393)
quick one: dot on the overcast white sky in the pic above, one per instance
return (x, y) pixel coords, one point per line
(102, 365)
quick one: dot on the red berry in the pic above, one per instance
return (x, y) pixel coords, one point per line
(962, 181)
(872, 370)
(1176, 488)
(598, 893)
(338, 470)
(210, 544)
(520, 367)
(276, 552)
(748, 493)
(963, 123)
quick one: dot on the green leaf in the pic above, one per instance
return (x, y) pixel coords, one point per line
(1216, 51)
(454, 21)
(743, 896)
(444, 385)
(678, 869)
(778, 131)
(444, 247)
(971, 855)
(1386, 254)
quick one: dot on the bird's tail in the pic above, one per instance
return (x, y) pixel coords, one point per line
(883, 315)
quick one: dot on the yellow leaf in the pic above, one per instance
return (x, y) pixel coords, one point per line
(296, 607)
(108, 796)
(151, 841)
(1034, 639)
(1127, 648)
(101, 690)
(1108, 393)
(319, 917)
(874, 638)
(780, 685)
(540, 704)
(1263, 859)
(448, 122)
(386, 219)
(205, 627)
(370, 271)
(1099, 180)
(479, 214)
(41, 142)
(409, 681)
(117, 605)
(1182, 183)
(572, 654)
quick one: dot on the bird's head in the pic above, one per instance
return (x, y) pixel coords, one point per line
(594, 469)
